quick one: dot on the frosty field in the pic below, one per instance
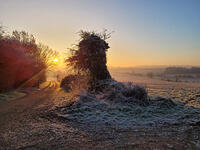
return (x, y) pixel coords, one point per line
(185, 92)
(172, 117)
(99, 121)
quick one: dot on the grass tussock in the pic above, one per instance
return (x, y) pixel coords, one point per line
(111, 90)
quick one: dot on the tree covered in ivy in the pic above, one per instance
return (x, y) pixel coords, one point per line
(88, 57)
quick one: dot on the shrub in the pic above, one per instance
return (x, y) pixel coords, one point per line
(135, 91)
(125, 92)
(89, 57)
(22, 61)
(73, 81)
(66, 82)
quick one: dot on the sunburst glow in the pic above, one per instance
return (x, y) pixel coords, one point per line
(55, 60)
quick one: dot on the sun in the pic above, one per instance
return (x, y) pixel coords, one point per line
(55, 60)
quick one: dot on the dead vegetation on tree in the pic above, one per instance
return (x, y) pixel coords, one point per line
(88, 57)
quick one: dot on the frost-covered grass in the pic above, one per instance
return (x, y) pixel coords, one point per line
(187, 96)
(125, 105)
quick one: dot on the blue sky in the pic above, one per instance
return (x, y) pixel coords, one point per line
(146, 32)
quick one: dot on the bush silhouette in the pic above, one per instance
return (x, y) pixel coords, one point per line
(89, 57)
(21, 59)
(67, 82)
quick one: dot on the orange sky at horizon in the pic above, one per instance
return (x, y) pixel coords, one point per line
(145, 33)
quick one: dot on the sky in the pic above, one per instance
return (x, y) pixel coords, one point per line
(146, 32)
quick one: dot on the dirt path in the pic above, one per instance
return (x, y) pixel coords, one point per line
(17, 114)
(14, 109)
(27, 124)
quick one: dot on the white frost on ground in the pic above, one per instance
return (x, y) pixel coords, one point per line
(112, 108)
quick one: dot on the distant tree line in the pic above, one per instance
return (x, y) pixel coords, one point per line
(182, 70)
